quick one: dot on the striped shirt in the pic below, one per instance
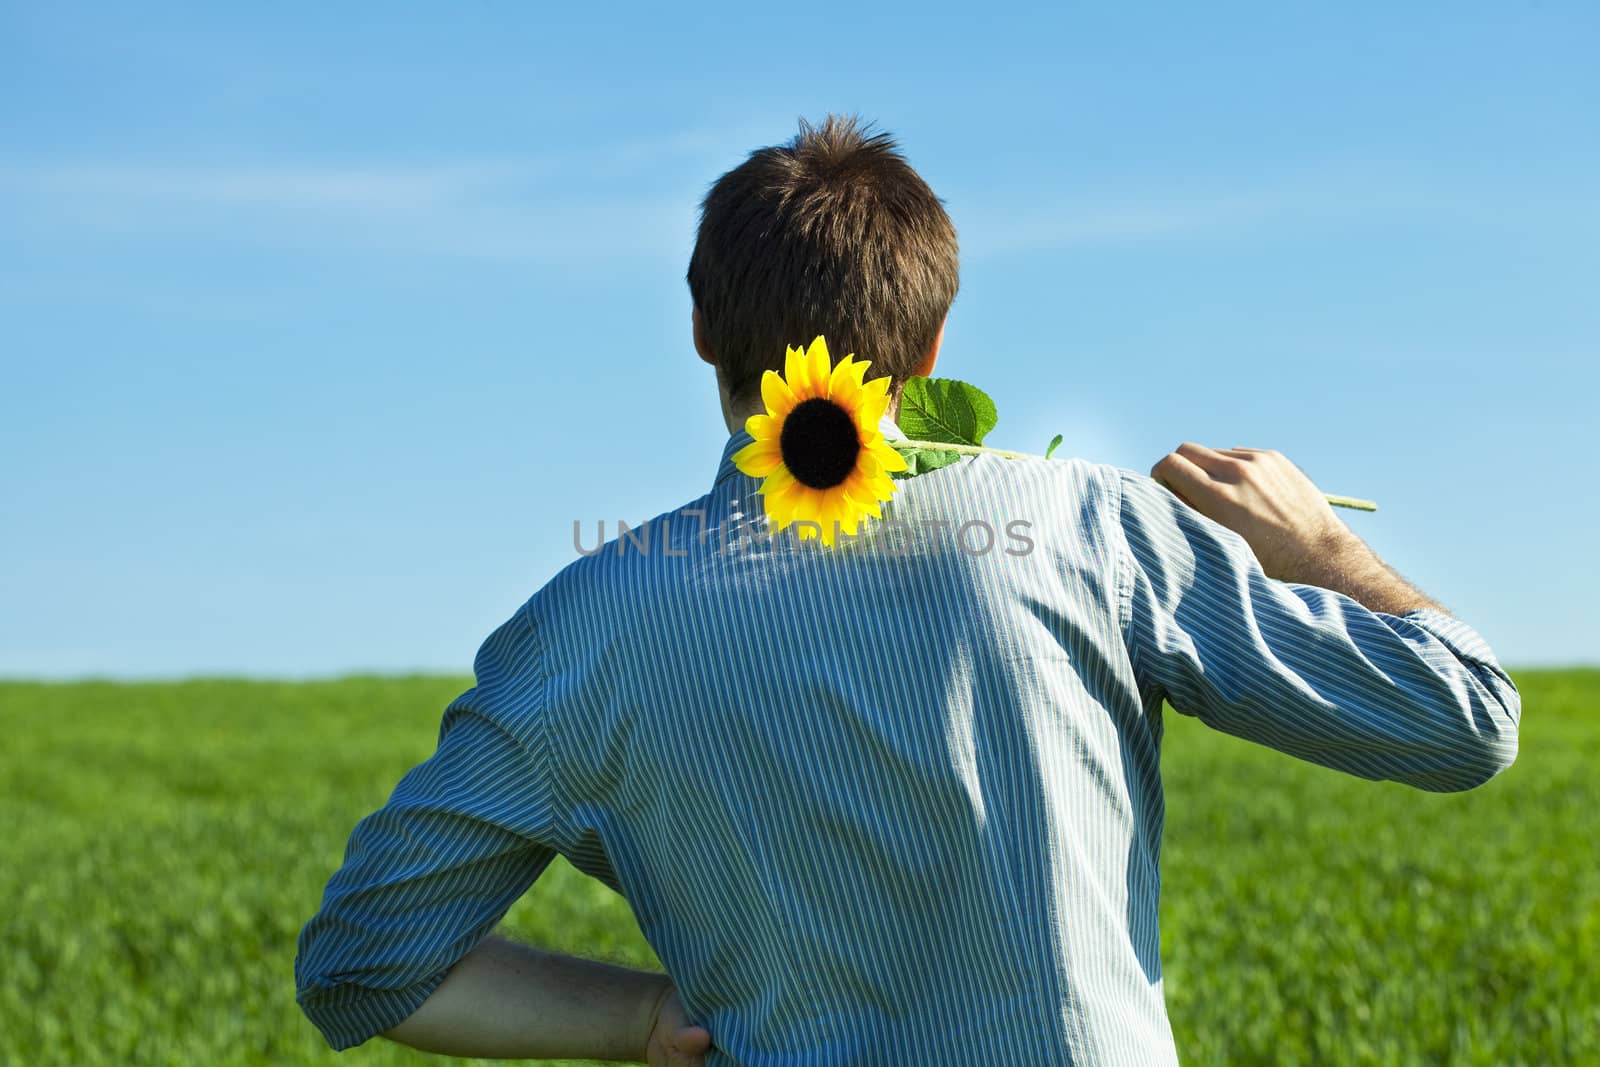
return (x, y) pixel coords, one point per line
(924, 795)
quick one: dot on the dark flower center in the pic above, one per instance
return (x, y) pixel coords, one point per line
(819, 443)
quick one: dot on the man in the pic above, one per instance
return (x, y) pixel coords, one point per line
(874, 806)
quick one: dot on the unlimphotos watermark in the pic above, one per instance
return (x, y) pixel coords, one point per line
(889, 536)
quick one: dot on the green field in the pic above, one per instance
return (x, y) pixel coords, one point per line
(165, 842)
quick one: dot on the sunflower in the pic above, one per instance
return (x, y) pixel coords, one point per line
(818, 447)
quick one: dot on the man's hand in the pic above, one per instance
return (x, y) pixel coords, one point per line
(673, 1041)
(1262, 497)
(1286, 521)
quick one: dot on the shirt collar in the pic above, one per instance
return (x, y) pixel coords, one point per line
(739, 438)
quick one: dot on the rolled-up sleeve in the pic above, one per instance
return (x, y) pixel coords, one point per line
(428, 875)
(1416, 698)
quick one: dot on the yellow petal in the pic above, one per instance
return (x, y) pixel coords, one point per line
(880, 386)
(776, 395)
(808, 507)
(779, 481)
(887, 457)
(870, 410)
(834, 508)
(781, 487)
(778, 494)
(869, 507)
(850, 516)
(860, 496)
(858, 485)
(820, 365)
(864, 487)
(855, 506)
(765, 464)
(763, 427)
(868, 465)
(880, 485)
(758, 458)
(847, 391)
(797, 372)
(841, 378)
(788, 498)
(827, 529)
(806, 527)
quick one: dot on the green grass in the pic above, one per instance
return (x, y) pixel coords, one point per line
(165, 842)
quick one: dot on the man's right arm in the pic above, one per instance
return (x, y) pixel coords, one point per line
(1249, 605)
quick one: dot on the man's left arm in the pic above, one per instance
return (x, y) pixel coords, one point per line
(399, 946)
(511, 1001)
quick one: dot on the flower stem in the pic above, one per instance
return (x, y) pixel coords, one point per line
(906, 445)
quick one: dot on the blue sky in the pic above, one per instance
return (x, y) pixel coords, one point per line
(320, 324)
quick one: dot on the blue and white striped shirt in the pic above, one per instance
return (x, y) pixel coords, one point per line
(926, 809)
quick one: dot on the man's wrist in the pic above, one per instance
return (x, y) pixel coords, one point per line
(653, 994)
(1346, 564)
(1329, 559)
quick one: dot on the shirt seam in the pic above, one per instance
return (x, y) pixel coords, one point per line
(1124, 572)
(1127, 565)
(545, 737)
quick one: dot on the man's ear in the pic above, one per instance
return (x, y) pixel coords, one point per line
(700, 344)
(925, 368)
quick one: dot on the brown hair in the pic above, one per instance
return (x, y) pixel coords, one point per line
(832, 234)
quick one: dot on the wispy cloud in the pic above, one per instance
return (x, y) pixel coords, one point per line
(996, 231)
(379, 189)
(635, 198)
(1349, 194)
(497, 211)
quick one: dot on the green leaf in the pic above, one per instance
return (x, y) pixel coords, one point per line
(923, 460)
(1055, 443)
(944, 409)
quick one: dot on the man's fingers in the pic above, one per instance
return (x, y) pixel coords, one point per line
(1201, 456)
(1180, 474)
(692, 1039)
(688, 1047)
